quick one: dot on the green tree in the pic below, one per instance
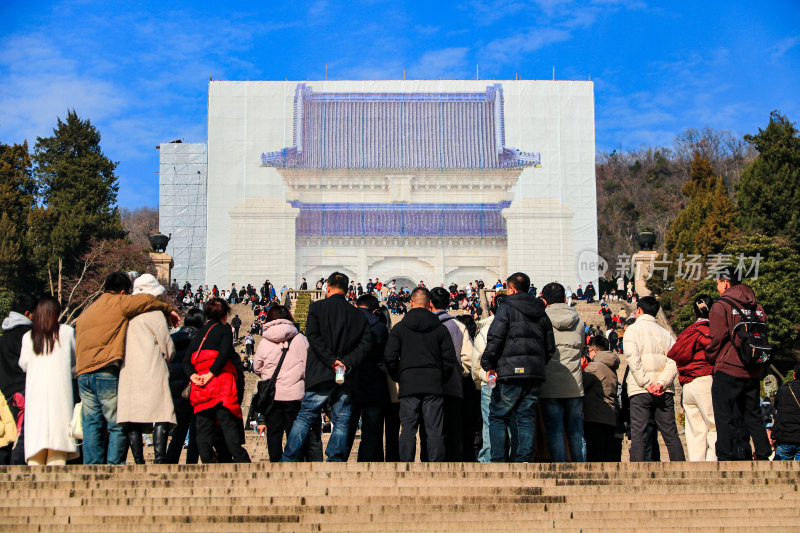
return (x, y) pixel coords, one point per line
(17, 189)
(707, 223)
(768, 192)
(77, 193)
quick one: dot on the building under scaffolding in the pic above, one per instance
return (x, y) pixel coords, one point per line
(182, 208)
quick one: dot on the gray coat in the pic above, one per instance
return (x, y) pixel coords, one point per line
(563, 372)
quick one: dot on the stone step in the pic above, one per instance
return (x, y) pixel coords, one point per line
(611, 503)
(406, 520)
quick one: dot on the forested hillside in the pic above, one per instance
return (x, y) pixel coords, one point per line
(639, 189)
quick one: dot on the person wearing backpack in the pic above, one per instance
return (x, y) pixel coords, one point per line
(735, 391)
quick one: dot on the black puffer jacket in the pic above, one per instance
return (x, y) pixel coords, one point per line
(419, 354)
(520, 340)
(177, 374)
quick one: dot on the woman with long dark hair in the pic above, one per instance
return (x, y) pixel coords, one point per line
(217, 384)
(47, 357)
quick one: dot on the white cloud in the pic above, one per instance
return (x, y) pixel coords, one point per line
(444, 63)
(508, 49)
(783, 46)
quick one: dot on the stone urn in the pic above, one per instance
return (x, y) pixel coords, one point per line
(646, 240)
(159, 242)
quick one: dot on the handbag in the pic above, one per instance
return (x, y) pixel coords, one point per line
(265, 396)
(76, 424)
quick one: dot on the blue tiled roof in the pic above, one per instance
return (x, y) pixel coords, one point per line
(410, 220)
(399, 130)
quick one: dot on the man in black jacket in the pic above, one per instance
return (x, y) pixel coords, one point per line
(420, 356)
(304, 285)
(373, 391)
(519, 344)
(12, 378)
(339, 337)
(236, 323)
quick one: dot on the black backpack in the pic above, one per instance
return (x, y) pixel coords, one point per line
(753, 347)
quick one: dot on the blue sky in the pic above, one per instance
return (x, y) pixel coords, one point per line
(139, 70)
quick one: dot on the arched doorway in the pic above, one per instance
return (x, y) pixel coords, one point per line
(403, 281)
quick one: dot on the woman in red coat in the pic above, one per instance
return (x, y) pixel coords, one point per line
(217, 384)
(694, 373)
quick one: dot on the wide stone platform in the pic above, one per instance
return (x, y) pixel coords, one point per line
(402, 497)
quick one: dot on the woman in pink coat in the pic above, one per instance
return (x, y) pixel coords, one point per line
(279, 330)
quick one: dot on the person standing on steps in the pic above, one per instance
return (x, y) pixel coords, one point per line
(99, 350)
(650, 382)
(339, 339)
(280, 333)
(145, 402)
(519, 344)
(420, 357)
(12, 377)
(217, 385)
(562, 392)
(786, 431)
(599, 402)
(694, 374)
(457, 389)
(236, 323)
(47, 356)
(736, 388)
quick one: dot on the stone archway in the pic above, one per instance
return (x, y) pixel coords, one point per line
(402, 281)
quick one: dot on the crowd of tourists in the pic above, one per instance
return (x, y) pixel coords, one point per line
(471, 390)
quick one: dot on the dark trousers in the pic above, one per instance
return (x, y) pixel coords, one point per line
(662, 408)
(600, 442)
(186, 425)
(430, 409)
(470, 421)
(279, 420)
(453, 432)
(737, 414)
(231, 427)
(392, 432)
(371, 447)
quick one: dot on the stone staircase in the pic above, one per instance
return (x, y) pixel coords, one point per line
(442, 497)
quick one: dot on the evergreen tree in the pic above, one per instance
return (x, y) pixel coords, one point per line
(769, 190)
(17, 189)
(77, 194)
(707, 223)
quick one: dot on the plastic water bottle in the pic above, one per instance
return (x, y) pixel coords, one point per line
(339, 375)
(492, 381)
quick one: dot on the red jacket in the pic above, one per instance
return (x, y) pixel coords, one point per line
(721, 352)
(689, 352)
(220, 390)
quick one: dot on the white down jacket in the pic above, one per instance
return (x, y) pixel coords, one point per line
(645, 347)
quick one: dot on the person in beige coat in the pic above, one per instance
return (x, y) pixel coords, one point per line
(651, 380)
(144, 401)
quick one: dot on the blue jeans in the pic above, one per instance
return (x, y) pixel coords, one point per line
(564, 414)
(787, 452)
(98, 391)
(311, 412)
(485, 455)
(513, 399)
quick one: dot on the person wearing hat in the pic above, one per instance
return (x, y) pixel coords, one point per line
(144, 401)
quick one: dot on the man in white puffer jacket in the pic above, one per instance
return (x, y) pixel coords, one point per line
(650, 382)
